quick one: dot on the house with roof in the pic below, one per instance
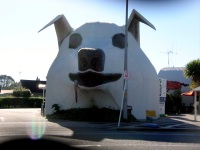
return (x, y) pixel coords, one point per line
(175, 77)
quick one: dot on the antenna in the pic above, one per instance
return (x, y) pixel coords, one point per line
(168, 52)
(19, 75)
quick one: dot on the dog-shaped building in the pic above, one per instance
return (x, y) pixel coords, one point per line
(89, 68)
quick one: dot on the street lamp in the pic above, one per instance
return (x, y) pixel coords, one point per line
(43, 87)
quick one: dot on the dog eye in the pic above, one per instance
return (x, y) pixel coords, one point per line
(75, 40)
(118, 40)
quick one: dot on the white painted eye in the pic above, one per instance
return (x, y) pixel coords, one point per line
(118, 40)
(75, 40)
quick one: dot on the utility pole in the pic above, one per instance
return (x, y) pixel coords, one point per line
(126, 75)
(19, 76)
(20, 79)
(126, 66)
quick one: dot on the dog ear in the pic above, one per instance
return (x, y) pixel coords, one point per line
(62, 27)
(133, 24)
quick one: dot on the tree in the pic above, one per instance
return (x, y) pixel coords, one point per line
(192, 70)
(193, 85)
(169, 104)
(6, 81)
(177, 99)
(15, 85)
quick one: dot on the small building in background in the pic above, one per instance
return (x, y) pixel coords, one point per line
(32, 85)
(175, 79)
(162, 94)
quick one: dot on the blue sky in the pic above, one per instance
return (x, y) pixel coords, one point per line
(26, 54)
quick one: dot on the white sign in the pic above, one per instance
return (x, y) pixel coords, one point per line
(126, 75)
(161, 108)
(163, 87)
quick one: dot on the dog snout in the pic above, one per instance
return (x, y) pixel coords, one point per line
(89, 58)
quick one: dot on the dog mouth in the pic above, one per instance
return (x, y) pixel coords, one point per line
(93, 79)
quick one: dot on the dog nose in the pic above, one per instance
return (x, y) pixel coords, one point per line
(90, 58)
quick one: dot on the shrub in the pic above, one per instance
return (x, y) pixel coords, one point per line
(56, 108)
(87, 114)
(20, 102)
(26, 93)
(22, 92)
(16, 93)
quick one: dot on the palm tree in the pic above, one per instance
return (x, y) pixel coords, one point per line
(192, 70)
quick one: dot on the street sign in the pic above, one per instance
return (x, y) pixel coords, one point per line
(126, 75)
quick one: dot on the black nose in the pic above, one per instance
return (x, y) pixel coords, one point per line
(89, 58)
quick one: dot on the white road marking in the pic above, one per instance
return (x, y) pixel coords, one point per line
(174, 125)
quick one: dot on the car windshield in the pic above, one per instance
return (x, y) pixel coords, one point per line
(103, 74)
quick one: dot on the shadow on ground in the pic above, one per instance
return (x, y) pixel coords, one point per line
(98, 131)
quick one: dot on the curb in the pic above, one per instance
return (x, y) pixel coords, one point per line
(158, 129)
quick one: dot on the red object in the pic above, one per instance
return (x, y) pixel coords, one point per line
(189, 93)
(173, 85)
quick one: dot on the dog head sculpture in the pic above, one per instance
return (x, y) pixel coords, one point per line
(90, 62)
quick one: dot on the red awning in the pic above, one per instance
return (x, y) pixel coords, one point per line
(189, 93)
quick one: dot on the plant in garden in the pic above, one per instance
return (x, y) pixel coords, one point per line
(56, 108)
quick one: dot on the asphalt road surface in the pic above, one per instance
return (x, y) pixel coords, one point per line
(29, 124)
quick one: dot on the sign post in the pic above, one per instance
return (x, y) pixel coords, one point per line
(126, 66)
(126, 76)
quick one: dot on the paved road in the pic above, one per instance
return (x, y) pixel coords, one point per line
(15, 123)
(33, 116)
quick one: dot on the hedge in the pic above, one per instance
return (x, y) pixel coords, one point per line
(20, 102)
(89, 114)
